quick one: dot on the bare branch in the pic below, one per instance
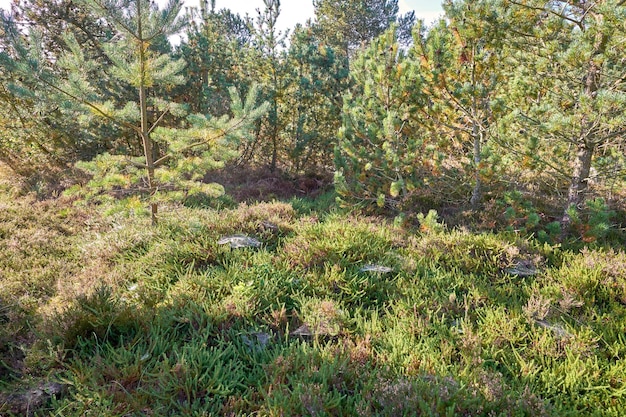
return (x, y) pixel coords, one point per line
(156, 123)
(554, 12)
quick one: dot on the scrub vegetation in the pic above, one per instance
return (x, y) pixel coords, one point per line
(119, 318)
(364, 216)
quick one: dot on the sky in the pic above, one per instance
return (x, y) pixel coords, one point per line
(298, 11)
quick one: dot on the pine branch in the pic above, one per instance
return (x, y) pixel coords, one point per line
(90, 105)
(221, 134)
(554, 12)
(157, 121)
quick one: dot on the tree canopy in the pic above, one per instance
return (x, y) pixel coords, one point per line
(491, 108)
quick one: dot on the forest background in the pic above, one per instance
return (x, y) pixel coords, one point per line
(477, 111)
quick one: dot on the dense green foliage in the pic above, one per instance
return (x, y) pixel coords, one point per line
(174, 155)
(465, 111)
(382, 153)
(456, 117)
(505, 119)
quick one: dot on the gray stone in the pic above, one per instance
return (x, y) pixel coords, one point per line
(239, 241)
(376, 268)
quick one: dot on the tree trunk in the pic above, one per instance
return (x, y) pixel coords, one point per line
(274, 131)
(274, 153)
(586, 146)
(478, 113)
(478, 186)
(145, 130)
(578, 185)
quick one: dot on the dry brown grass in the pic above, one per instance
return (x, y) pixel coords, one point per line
(251, 184)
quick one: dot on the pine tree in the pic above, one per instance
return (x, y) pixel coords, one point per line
(348, 25)
(29, 143)
(35, 134)
(173, 157)
(317, 78)
(54, 21)
(266, 63)
(461, 58)
(570, 84)
(55, 18)
(214, 49)
(382, 153)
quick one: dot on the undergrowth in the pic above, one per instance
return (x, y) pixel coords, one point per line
(334, 314)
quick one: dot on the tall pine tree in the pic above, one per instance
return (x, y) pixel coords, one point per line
(318, 76)
(267, 67)
(570, 57)
(351, 24)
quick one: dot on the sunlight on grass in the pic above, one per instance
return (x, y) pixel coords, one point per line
(135, 320)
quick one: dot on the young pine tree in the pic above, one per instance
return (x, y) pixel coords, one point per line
(570, 85)
(177, 150)
(461, 59)
(214, 50)
(382, 152)
(318, 76)
(266, 62)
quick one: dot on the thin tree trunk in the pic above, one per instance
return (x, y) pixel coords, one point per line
(578, 185)
(275, 112)
(477, 136)
(274, 151)
(148, 152)
(477, 192)
(586, 146)
(145, 130)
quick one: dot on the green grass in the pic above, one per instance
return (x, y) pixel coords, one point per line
(140, 320)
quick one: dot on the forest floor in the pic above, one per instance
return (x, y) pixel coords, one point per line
(328, 313)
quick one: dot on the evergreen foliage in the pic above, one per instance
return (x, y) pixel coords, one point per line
(383, 153)
(267, 65)
(568, 86)
(39, 136)
(174, 158)
(461, 60)
(318, 76)
(215, 48)
(349, 25)
(499, 97)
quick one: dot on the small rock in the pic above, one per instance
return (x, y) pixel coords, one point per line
(376, 268)
(239, 241)
(457, 326)
(522, 269)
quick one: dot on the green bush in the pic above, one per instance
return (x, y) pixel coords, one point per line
(382, 152)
